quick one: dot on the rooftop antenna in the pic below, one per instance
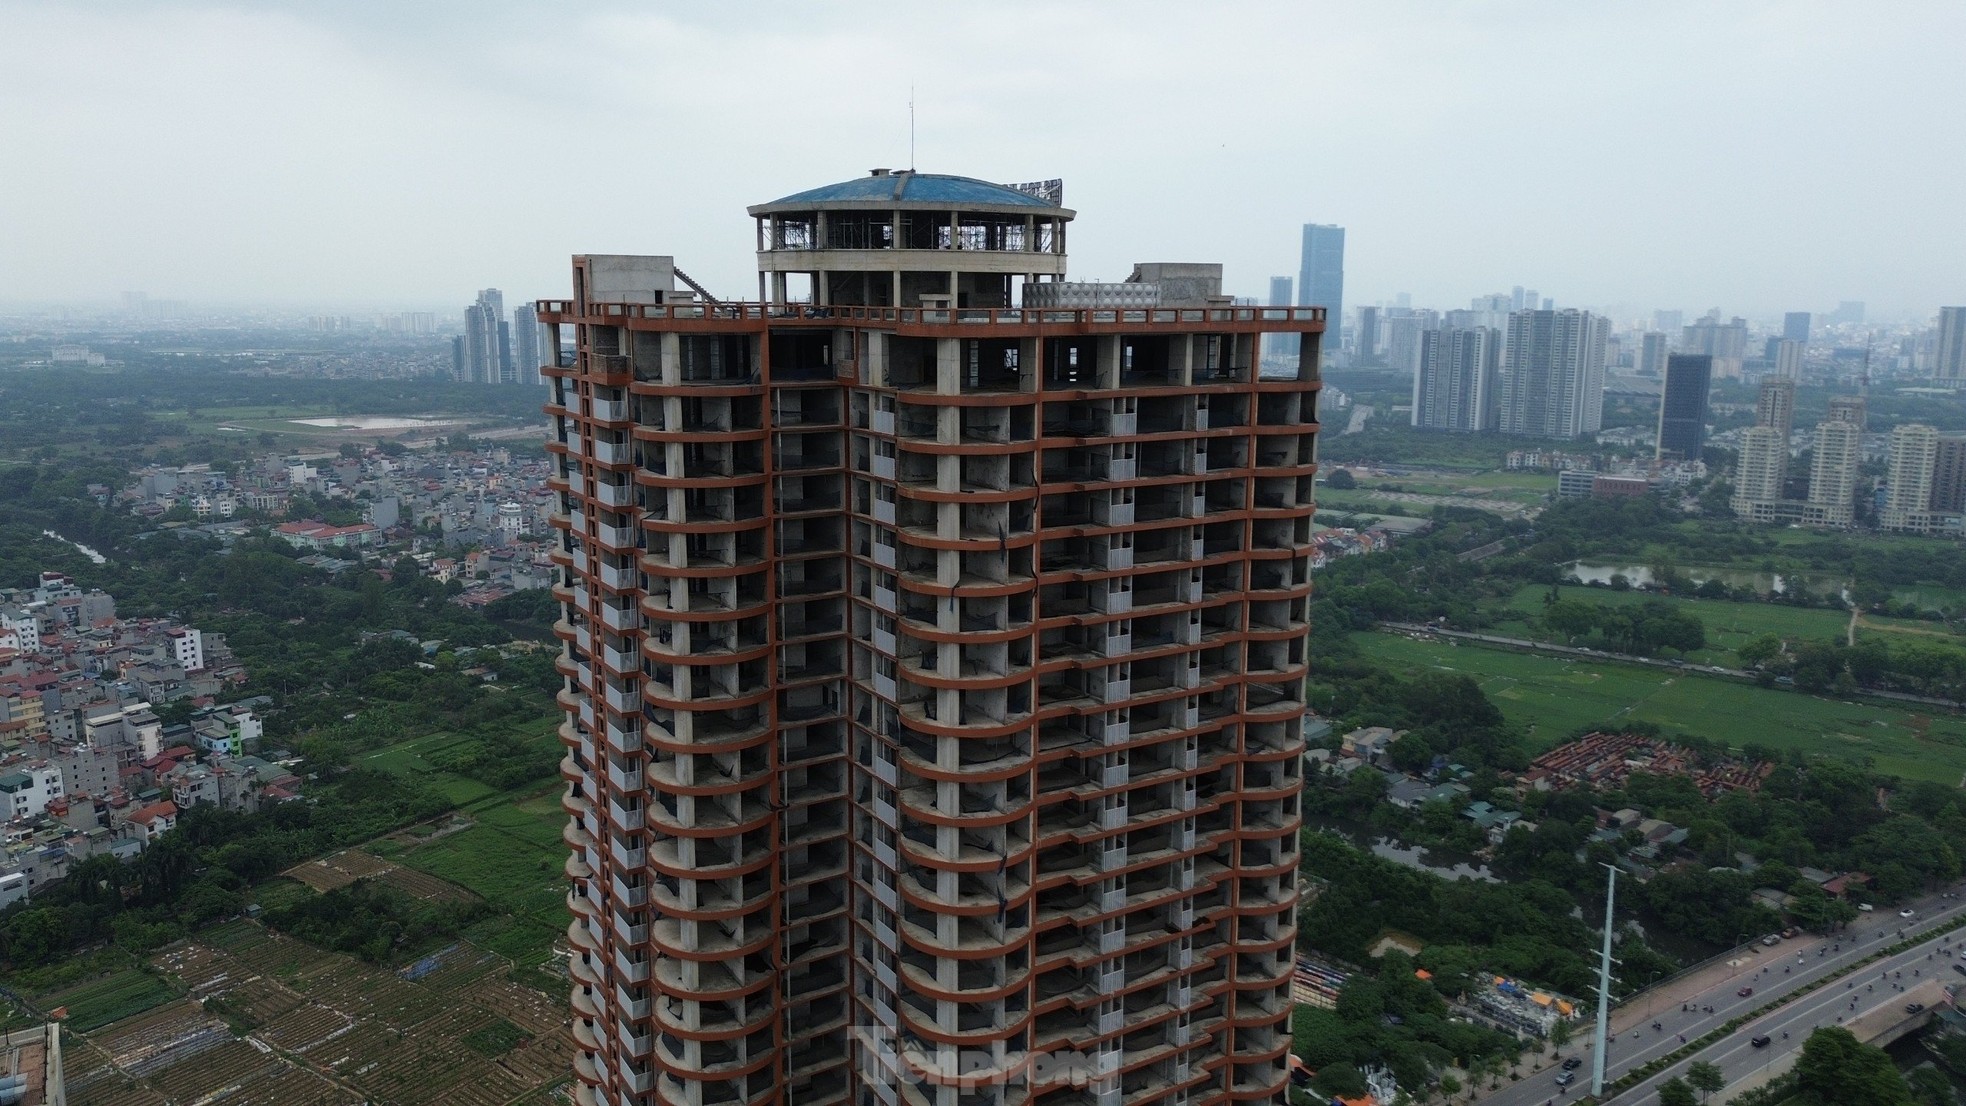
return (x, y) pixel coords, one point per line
(911, 128)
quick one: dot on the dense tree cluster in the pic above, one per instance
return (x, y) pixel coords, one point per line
(1649, 628)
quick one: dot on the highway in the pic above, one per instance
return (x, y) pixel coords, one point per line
(1775, 972)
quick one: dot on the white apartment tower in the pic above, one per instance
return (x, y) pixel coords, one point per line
(1908, 501)
(1838, 456)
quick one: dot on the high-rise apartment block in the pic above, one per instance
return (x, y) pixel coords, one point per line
(1908, 500)
(1367, 339)
(935, 649)
(1552, 377)
(1762, 471)
(529, 352)
(1788, 359)
(1683, 406)
(483, 353)
(1850, 409)
(1836, 459)
(1927, 490)
(1726, 343)
(1321, 276)
(1652, 352)
(1949, 475)
(1454, 388)
(1774, 405)
(1949, 365)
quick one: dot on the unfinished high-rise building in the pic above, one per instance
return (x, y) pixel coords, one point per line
(935, 648)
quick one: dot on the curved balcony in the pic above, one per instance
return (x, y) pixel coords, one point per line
(919, 803)
(727, 698)
(710, 819)
(971, 723)
(712, 904)
(666, 858)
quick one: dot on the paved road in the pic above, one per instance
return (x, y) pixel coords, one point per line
(1627, 658)
(1781, 970)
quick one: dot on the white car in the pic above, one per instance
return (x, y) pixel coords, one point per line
(1906, 912)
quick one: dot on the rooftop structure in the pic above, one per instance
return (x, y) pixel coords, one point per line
(935, 666)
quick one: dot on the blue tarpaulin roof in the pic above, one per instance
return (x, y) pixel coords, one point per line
(914, 188)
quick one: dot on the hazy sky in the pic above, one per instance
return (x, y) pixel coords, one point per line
(1756, 156)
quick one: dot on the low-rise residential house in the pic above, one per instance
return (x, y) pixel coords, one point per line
(154, 820)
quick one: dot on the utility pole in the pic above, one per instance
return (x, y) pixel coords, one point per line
(1604, 984)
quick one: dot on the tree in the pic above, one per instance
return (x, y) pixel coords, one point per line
(1760, 650)
(1340, 1080)
(1560, 1035)
(1705, 1078)
(1341, 480)
(1571, 618)
(1930, 1087)
(1675, 1092)
(1836, 1069)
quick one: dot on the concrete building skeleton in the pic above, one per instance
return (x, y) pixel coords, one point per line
(935, 666)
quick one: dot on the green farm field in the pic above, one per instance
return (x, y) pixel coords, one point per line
(1729, 624)
(1551, 696)
(512, 856)
(109, 998)
(514, 859)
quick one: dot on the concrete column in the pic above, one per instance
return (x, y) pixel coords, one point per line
(1107, 358)
(895, 300)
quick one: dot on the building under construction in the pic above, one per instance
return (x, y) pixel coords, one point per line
(935, 648)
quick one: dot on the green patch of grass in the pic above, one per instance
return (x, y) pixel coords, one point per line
(496, 1039)
(413, 759)
(279, 893)
(1729, 625)
(1550, 696)
(515, 860)
(111, 998)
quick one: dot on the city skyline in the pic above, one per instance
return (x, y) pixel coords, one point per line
(296, 197)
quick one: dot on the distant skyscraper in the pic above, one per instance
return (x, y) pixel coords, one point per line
(1667, 322)
(1949, 475)
(1454, 386)
(1795, 327)
(1837, 457)
(1850, 409)
(1282, 346)
(1726, 343)
(1683, 406)
(1552, 378)
(1848, 311)
(1763, 469)
(1774, 406)
(1321, 276)
(528, 354)
(1652, 351)
(1788, 359)
(1368, 335)
(1403, 329)
(1914, 461)
(487, 342)
(1950, 364)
